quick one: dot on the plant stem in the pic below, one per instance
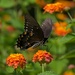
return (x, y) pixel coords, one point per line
(15, 72)
(43, 67)
(69, 15)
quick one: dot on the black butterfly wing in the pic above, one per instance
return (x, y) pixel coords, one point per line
(33, 33)
(31, 26)
(47, 28)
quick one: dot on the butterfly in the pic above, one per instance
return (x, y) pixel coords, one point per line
(34, 34)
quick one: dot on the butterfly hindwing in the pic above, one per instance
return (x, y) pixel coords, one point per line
(47, 27)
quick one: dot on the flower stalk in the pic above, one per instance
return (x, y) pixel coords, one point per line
(69, 15)
(15, 72)
(43, 57)
(43, 66)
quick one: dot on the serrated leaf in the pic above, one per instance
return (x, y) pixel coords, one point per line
(70, 54)
(47, 73)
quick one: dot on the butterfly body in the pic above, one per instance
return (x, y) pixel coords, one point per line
(33, 35)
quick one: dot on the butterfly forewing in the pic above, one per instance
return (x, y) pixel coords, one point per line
(23, 41)
(33, 34)
(31, 26)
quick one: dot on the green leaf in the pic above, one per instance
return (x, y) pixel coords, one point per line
(9, 69)
(73, 34)
(26, 3)
(57, 48)
(58, 65)
(47, 73)
(73, 20)
(68, 26)
(7, 3)
(57, 45)
(17, 23)
(70, 54)
(66, 39)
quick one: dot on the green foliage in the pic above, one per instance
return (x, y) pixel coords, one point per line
(57, 44)
(58, 65)
(7, 3)
(70, 54)
(47, 73)
(12, 24)
(9, 70)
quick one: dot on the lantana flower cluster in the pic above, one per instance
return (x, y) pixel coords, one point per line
(42, 57)
(16, 60)
(55, 7)
(60, 29)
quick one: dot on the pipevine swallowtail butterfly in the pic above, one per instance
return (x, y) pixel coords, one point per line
(34, 34)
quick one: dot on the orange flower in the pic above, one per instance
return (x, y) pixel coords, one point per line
(10, 28)
(61, 16)
(7, 17)
(67, 3)
(69, 73)
(42, 57)
(59, 7)
(16, 60)
(56, 7)
(60, 29)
